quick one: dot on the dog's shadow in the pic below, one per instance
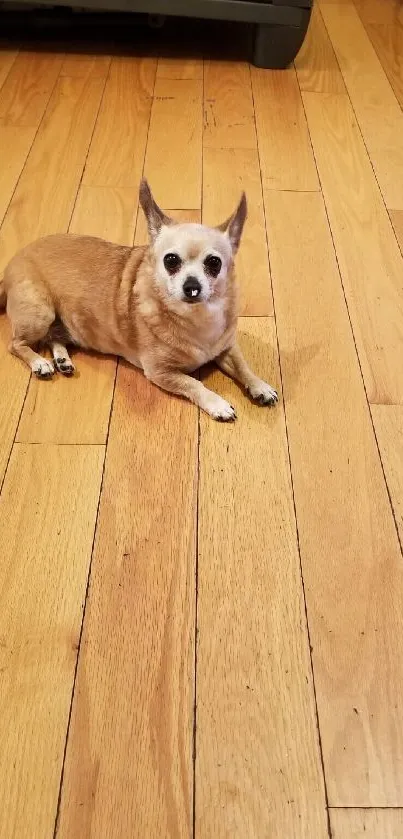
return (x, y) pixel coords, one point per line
(263, 358)
(144, 399)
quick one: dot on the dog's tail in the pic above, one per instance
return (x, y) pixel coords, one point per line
(3, 296)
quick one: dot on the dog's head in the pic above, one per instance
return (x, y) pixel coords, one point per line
(192, 262)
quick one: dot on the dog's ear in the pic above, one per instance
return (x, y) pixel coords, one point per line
(233, 227)
(154, 215)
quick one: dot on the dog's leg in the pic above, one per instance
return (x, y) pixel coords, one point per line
(234, 365)
(184, 385)
(62, 359)
(42, 368)
(31, 313)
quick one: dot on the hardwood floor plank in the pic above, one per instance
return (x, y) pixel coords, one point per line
(229, 120)
(370, 261)
(15, 143)
(351, 560)
(397, 221)
(129, 758)
(141, 237)
(226, 172)
(14, 378)
(285, 152)
(108, 212)
(388, 43)
(366, 824)
(7, 58)
(316, 64)
(174, 148)
(377, 11)
(70, 410)
(45, 195)
(28, 87)
(258, 767)
(116, 156)
(81, 66)
(180, 68)
(47, 520)
(388, 422)
(377, 111)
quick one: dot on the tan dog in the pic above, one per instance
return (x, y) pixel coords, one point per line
(168, 308)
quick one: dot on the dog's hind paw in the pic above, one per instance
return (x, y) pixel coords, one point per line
(65, 366)
(42, 368)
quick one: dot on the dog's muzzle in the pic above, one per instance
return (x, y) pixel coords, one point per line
(191, 289)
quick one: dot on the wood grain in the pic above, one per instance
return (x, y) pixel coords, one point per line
(258, 768)
(229, 120)
(174, 148)
(180, 68)
(285, 152)
(15, 143)
(47, 520)
(117, 150)
(388, 42)
(7, 58)
(129, 758)
(377, 111)
(14, 378)
(45, 195)
(370, 261)
(70, 410)
(141, 237)
(366, 824)
(226, 173)
(397, 221)
(350, 554)
(82, 66)
(388, 422)
(105, 211)
(377, 11)
(316, 64)
(28, 87)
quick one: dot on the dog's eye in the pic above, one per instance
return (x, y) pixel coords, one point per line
(172, 262)
(212, 264)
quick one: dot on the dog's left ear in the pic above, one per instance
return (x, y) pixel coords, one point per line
(156, 218)
(233, 227)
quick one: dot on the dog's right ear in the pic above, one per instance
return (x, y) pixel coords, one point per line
(154, 215)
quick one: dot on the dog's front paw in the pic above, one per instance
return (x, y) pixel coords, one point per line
(219, 409)
(262, 393)
(42, 368)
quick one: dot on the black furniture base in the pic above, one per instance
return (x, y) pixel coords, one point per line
(275, 47)
(280, 26)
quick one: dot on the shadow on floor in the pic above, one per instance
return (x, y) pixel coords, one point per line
(62, 29)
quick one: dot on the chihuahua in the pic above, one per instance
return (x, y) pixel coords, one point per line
(168, 307)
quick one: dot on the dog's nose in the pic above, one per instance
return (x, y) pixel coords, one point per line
(192, 288)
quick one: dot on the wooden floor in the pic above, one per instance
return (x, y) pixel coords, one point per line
(201, 625)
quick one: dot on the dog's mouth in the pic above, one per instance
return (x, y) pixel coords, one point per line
(192, 300)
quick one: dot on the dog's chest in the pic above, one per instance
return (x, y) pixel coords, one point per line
(210, 343)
